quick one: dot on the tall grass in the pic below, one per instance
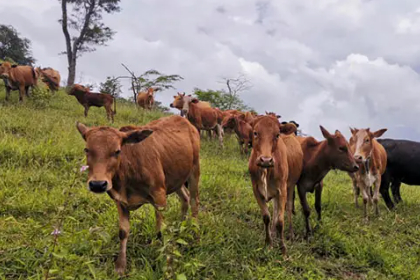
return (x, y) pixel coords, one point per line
(41, 153)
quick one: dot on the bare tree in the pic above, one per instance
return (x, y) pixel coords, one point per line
(235, 86)
(86, 20)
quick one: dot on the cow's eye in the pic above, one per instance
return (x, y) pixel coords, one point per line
(367, 140)
(343, 149)
(86, 150)
(255, 133)
(278, 136)
(117, 152)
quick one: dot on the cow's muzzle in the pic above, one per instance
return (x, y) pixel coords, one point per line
(171, 105)
(98, 186)
(265, 162)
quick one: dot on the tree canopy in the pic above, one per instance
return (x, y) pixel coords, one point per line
(13, 47)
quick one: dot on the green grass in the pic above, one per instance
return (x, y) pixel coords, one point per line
(40, 156)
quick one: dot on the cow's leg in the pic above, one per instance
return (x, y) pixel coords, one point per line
(209, 134)
(184, 197)
(376, 193)
(305, 208)
(124, 223)
(21, 93)
(280, 199)
(246, 143)
(366, 198)
(356, 190)
(219, 132)
(27, 91)
(289, 205)
(318, 195)
(86, 110)
(7, 93)
(159, 221)
(109, 113)
(384, 189)
(395, 187)
(158, 193)
(193, 188)
(265, 214)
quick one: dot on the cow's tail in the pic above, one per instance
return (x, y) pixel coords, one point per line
(34, 76)
(115, 105)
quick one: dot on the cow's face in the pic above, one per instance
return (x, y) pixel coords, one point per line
(5, 69)
(361, 143)
(266, 134)
(178, 101)
(229, 122)
(103, 152)
(187, 100)
(338, 151)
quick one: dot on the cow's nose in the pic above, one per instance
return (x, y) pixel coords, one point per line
(358, 157)
(171, 105)
(266, 161)
(355, 167)
(98, 186)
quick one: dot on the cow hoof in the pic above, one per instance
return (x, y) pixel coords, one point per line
(120, 270)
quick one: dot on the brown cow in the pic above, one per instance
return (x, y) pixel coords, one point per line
(203, 118)
(18, 78)
(242, 129)
(146, 100)
(50, 77)
(274, 167)
(178, 102)
(143, 165)
(372, 159)
(88, 99)
(318, 159)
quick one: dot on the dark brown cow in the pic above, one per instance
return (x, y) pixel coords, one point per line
(319, 159)
(146, 99)
(372, 159)
(242, 129)
(18, 78)
(203, 118)
(141, 165)
(50, 77)
(274, 167)
(88, 99)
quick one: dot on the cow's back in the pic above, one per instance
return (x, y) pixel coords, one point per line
(294, 157)
(169, 153)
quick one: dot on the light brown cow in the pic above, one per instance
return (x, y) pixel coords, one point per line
(318, 159)
(274, 168)
(141, 165)
(50, 77)
(18, 78)
(146, 100)
(203, 118)
(242, 129)
(87, 99)
(178, 102)
(372, 159)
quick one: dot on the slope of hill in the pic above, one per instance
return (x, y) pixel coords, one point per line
(40, 184)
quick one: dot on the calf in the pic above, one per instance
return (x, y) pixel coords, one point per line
(18, 78)
(140, 165)
(371, 157)
(403, 163)
(318, 159)
(88, 99)
(146, 99)
(271, 169)
(202, 118)
(242, 129)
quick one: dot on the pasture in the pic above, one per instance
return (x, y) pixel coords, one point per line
(41, 153)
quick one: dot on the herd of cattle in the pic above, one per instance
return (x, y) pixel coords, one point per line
(167, 159)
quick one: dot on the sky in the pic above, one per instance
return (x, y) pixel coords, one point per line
(327, 62)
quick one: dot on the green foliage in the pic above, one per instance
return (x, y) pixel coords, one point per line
(14, 48)
(221, 99)
(111, 86)
(41, 95)
(41, 151)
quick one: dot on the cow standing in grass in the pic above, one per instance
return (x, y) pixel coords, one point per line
(372, 159)
(18, 77)
(242, 129)
(274, 168)
(146, 100)
(139, 165)
(50, 77)
(87, 99)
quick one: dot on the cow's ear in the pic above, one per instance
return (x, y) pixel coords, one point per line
(175, 96)
(14, 65)
(288, 128)
(379, 133)
(195, 100)
(83, 129)
(325, 133)
(136, 136)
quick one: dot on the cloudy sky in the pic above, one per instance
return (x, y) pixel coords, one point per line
(331, 62)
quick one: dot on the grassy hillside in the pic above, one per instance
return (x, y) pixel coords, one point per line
(40, 183)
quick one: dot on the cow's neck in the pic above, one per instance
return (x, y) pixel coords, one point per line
(316, 163)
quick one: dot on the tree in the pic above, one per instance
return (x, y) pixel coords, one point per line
(13, 47)
(111, 86)
(86, 20)
(221, 99)
(235, 87)
(151, 78)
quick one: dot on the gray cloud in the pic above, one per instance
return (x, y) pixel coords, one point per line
(329, 62)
